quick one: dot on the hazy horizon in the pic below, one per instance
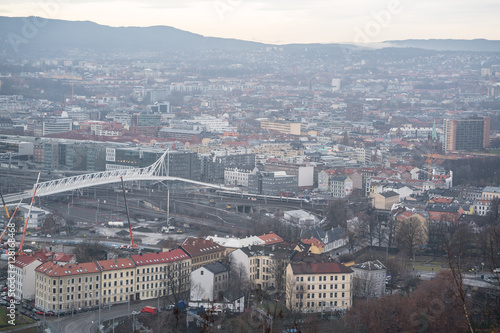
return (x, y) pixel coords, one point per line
(283, 22)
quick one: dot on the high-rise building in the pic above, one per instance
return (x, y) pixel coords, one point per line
(354, 112)
(466, 134)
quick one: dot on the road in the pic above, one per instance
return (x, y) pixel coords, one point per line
(87, 322)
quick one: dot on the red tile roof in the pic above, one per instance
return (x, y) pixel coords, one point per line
(271, 238)
(313, 241)
(198, 246)
(24, 260)
(319, 268)
(63, 257)
(52, 269)
(114, 264)
(160, 257)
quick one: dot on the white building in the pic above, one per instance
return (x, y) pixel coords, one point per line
(341, 186)
(24, 276)
(36, 217)
(237, 243)
(236, 176)
(482, 206)
(212, 124)
(369, 279)
(231, 302)
(300, 217)
(209, 282)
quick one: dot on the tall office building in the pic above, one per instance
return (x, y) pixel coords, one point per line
(354, 112)
(466, 134)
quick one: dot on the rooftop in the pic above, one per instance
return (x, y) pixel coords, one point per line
(319, 268)
(159, 257)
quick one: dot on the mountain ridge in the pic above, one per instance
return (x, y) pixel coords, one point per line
(34, 35)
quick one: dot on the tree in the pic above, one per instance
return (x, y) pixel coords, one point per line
(336, 215)
(456, 245)
(90, 250)
(368, 226)
(51, 224)
(411, 233)
(439, 305)
(176, 282)
(278, 273)
(365, 287)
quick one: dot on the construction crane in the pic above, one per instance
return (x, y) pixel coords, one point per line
(20, 251)
(10, 218)
(132, 244)
(5, 207)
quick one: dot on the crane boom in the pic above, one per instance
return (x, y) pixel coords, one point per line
(5, 207)
(132, 244)
(20, 251)
(10, 219)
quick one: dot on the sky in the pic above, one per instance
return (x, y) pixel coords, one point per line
(284, 21)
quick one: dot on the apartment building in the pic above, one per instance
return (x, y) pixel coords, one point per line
(202, 251)
(318, 286)
(209, 282)
(281, 126)
(161, 273)
(24, 276)
(466, 134)
(117, 283)
(73, 286)
(264, 266)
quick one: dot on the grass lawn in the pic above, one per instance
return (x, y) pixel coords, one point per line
(20, 319)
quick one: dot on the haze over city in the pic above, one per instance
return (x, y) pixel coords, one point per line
(283, 22)
(235, 166)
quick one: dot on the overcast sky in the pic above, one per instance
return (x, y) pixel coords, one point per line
(285, 21)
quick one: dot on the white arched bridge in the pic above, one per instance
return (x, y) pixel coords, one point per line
(159, 171)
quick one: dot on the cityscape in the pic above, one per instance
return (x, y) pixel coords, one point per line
(158, 180)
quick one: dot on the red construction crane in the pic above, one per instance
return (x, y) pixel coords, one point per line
(20, 251)
(10, 218)
(132, 244)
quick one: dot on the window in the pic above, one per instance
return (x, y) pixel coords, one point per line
(343, 286)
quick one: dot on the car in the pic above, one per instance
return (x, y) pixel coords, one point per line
(170, 307)
(49, 236)
(50, 313)
(136, 312)
(3, 294)
(38, 312)
(35, 318)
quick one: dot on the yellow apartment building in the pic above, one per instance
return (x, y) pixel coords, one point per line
(117, 282)
(72, 286)
(161, 274)
(318, 286)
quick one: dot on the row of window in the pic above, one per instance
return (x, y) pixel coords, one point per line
(320, 304)
(321, 295)
(320, 287)
(320, 278)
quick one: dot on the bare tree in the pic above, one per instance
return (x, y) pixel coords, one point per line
(176, 282)
(411, 232)
(456, 245)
